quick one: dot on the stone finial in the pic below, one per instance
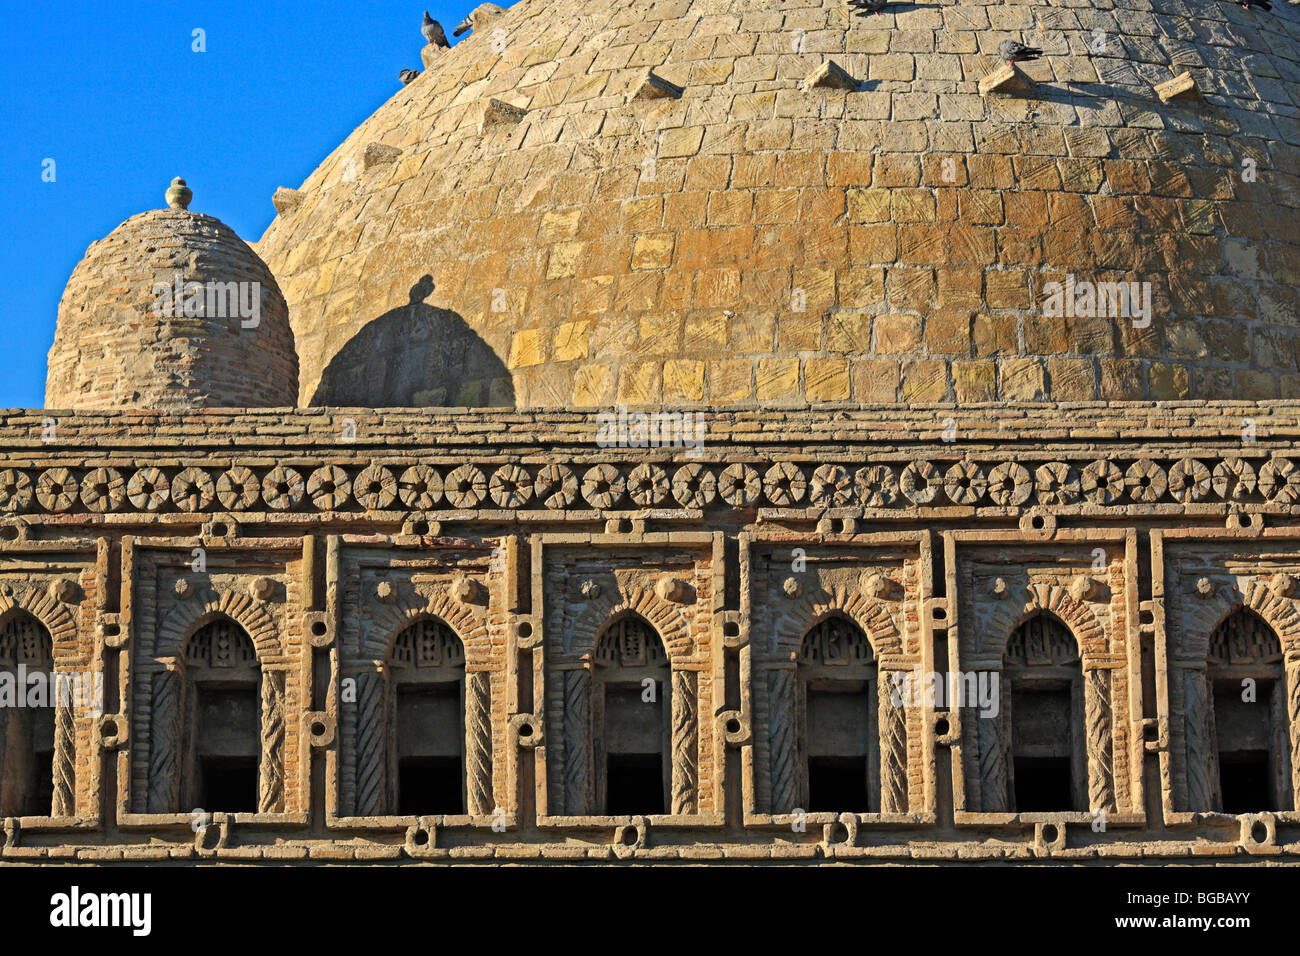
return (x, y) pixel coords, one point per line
(1181, 87)
(1283, 584)
(286, 200)
(179, 195)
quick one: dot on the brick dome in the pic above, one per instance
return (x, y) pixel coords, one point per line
(538, 221)
(130, 336)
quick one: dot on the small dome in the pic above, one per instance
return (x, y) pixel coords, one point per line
(172, 310)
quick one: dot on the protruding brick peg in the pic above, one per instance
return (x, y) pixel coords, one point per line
(830, 76)
(286, 200)
(1007, 78)
(652, 86)
(500, 113)
(377, 154)
(1181, 87)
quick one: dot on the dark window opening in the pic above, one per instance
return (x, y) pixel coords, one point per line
(839, 738)
(429, 743)
(227, 784)
(1244, 781)
(1043, 784)
(429, 785)
(634, 784)
(227, 748)
(837, 784)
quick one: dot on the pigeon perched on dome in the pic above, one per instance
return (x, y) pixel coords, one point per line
(1014, 52)
(433, 32)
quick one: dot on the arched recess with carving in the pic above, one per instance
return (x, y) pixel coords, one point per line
(1198, 667)
(624, 649)
(173, 698)
(57, 621)
(370, 728)
(988, 737)
(186, 617)
(785, 700)
(665, 617)
(37, 737)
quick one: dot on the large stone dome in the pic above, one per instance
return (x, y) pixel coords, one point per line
(535, 221)
(172, 311)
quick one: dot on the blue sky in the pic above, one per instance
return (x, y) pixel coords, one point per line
(116, 96)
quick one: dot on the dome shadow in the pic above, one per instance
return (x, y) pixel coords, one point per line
(416, 356)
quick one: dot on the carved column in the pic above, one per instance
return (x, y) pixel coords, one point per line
(893, 748)
(782, 737)
(685, 739)
(165, 742)
(478, 742)
(371, 749)
(65, 748)
(1098, 719)
(271, 779)
(577, 742)
(1197, 739)
(1293, 728)
(992, 735)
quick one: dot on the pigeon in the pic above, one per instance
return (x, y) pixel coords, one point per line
(487, 11)
(1248, 4)
(871, 6)
(1014, 52)
(433, 32)
(406, 76)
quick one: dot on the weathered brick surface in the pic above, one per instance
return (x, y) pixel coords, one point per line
(122, 343)
(751, 201)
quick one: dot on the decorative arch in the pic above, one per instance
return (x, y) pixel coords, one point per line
(1195, 686)
(392, 619)
(1205, 616)
(188, 616)
(55, 617)
(56, 620)
(367, 727)
(662, 615)
(1054, 600)
(870, 615)
(993, 736)
(172, 701)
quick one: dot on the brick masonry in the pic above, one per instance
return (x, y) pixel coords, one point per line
(756, 240)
